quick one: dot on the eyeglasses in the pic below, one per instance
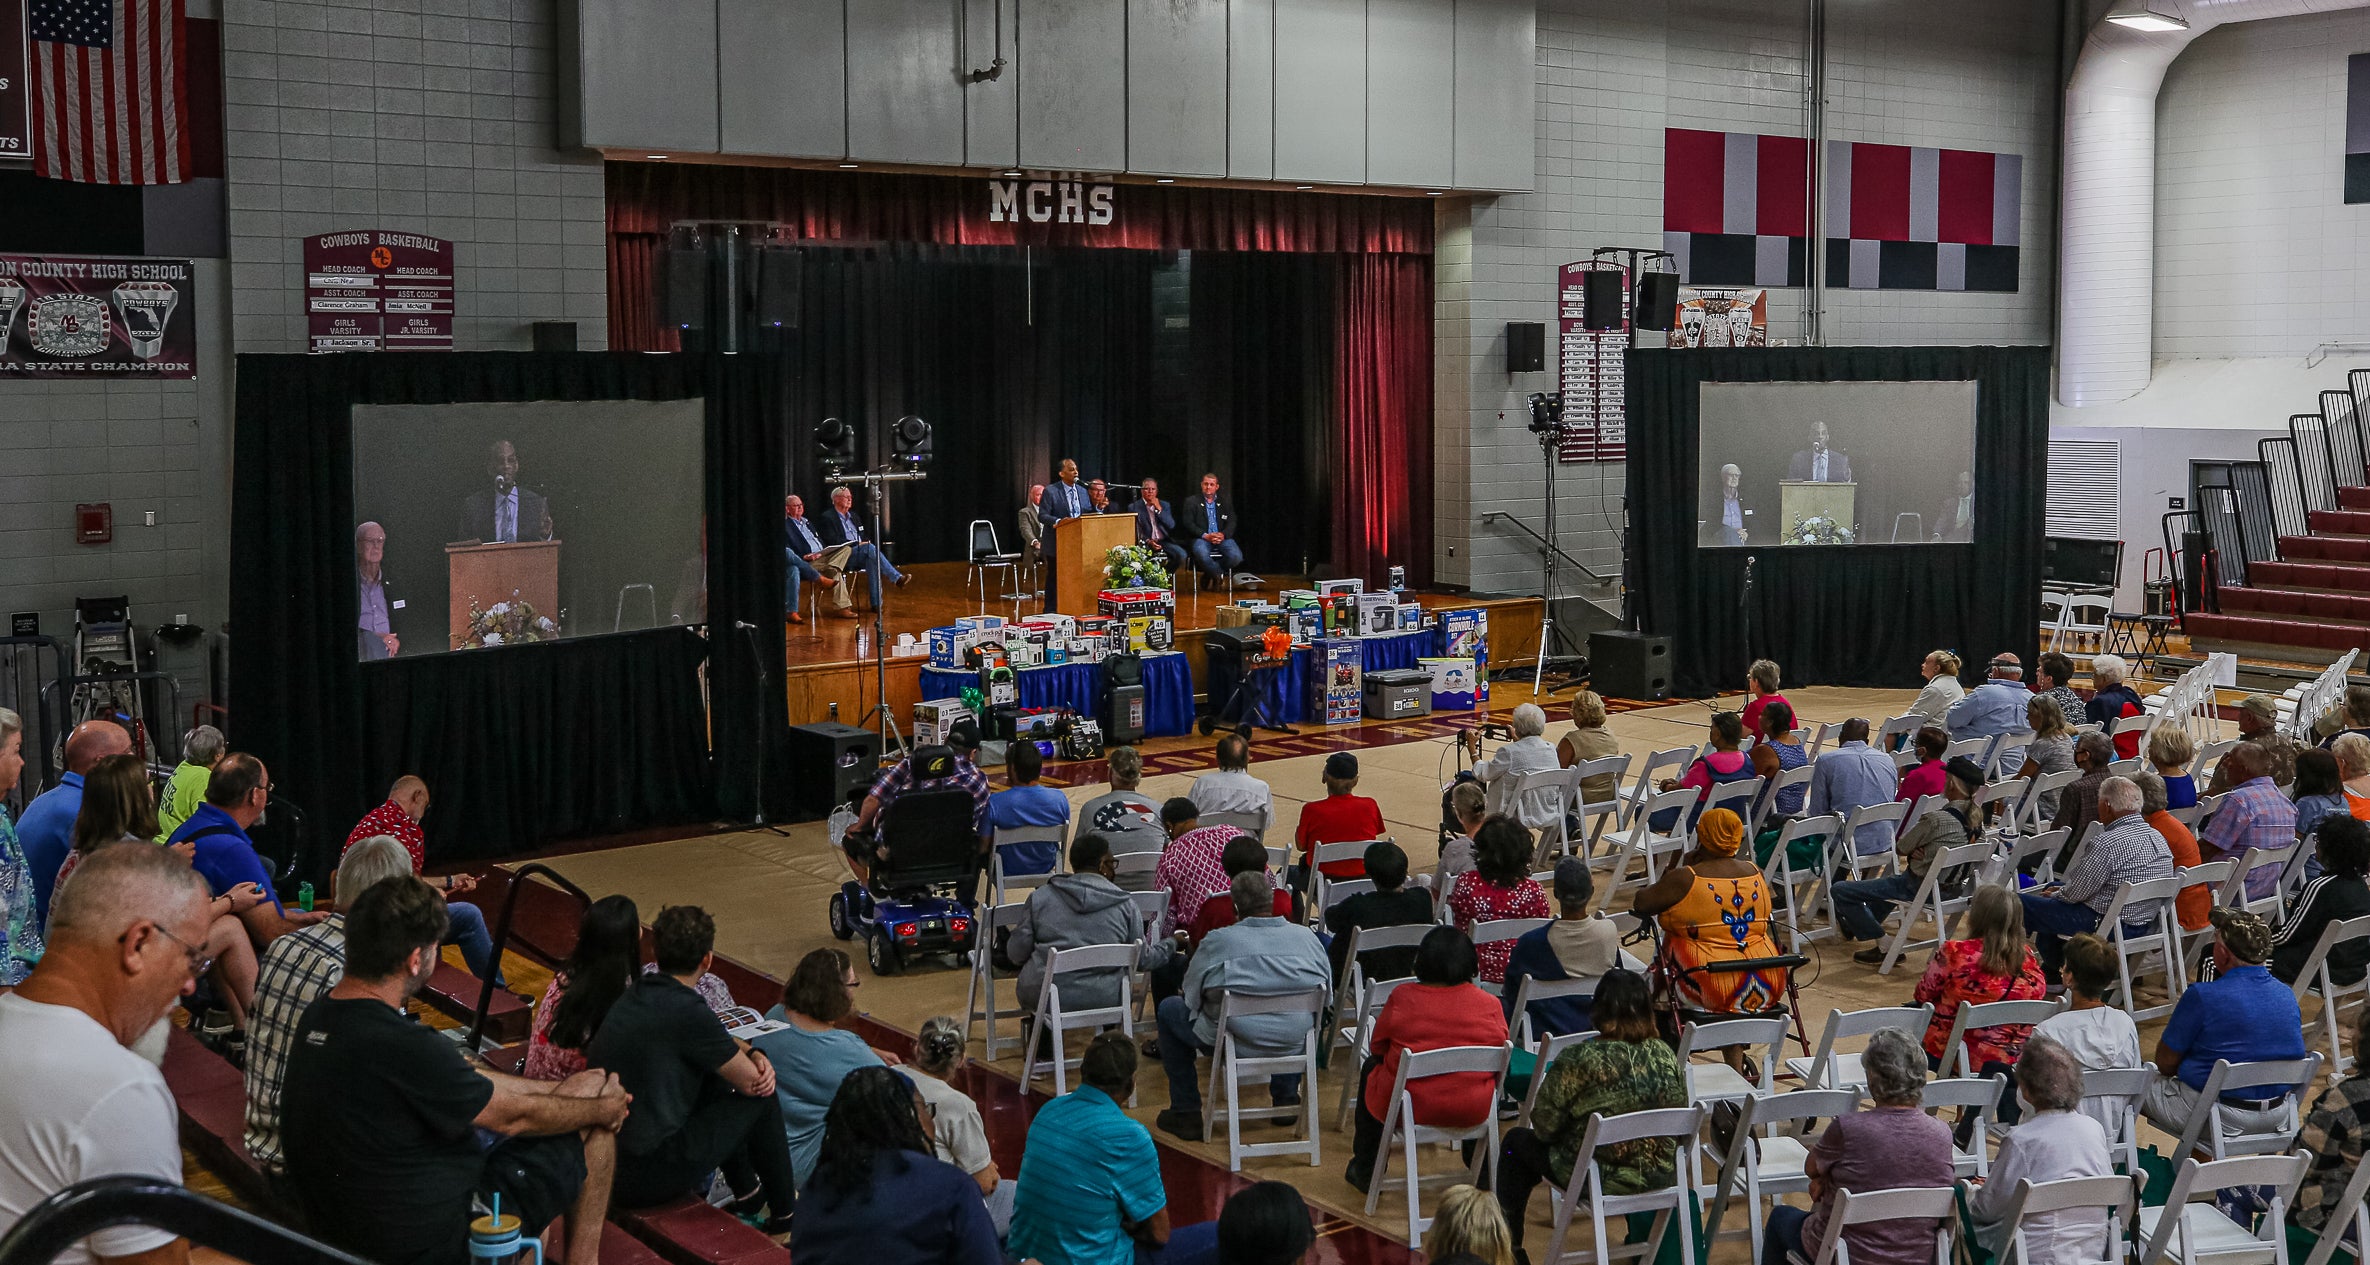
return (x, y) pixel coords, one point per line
(199, 963)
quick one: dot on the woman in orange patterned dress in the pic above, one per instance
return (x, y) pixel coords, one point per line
(1714, 908)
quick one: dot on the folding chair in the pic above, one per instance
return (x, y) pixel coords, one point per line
(1718, 1082)
(2010, 792)
(1526, 1034)
(1785, 883)
(1500, 930)
(2117, 1091)
(1549, 1050)
(2006, 754)
(2315, 979)
(1922, 805)
(1337, 891)
(2117, 1197)
(1845, 846)
(1765, 807)
(1004, 880)
(1641, 840)
(1971, 748)
(981, 1002)
(2356, 1205)
(1900, 729)
(1834, 1069)
(2223, 1142)
(1401, 1127)
(1977, 1094)
(2213, 876)
(1137, 872)
(1938, 1204)
(2053, 614)
(1819, 740)
(1252, 824)
(1053, 1017)
(1932, 900)
(1768, 1156)
(2007, 861)
(987, 558)
(1151, 907)
(1319, 857)
(1977, 1016)
(2028, 814)
(2190, 1227)
(1366, 999)
(1540, 800)
(1230, 1067)
(2234, 891)
(2162, 934)
(1737, 797)
(1586, 1189)
(2085, 621)
(1672, 760)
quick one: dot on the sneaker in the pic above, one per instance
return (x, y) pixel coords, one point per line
(1186, 1125)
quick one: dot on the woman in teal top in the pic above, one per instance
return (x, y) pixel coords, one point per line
(20, 931)
(811, 1056)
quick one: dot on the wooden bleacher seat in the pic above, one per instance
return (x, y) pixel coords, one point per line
(618, 1247)
(689, 1232)
(453, 992)
(212, 1098)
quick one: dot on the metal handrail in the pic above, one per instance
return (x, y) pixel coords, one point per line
(518, 883)
(85, 1208)
(45, 729)
(1491, 516)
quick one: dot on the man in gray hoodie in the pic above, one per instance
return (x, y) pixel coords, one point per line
(1072, 911)
(1260, 955)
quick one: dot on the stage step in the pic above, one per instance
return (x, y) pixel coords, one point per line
(2336, 549)
(2320, 607)
(2306, 638)
(2319, 577)
(453, 992)
(2353, 498)
(2343, 521)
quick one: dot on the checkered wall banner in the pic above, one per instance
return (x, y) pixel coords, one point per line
(1735, 206)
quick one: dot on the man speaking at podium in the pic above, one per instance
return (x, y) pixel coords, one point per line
(1819, 463)
(505, 513)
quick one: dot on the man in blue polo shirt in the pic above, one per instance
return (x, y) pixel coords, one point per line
(46, 831)
(236, 794)
(1089, 1189)
(2242, 1015)
(1025, 805)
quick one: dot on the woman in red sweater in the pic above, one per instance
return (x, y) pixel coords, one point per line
(1442, 1008)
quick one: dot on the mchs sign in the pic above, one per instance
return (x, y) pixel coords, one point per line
(1057, 198)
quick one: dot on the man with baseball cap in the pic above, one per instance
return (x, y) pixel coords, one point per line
(1994, 707)
(1340, 817)
(2242, 1015)
(926, 769)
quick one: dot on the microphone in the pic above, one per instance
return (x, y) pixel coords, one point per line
(744, 625)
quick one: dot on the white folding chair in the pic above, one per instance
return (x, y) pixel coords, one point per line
(2028, 814)
(1368, 1000)
(2116, 1197)
(2214, 876)
(1977, 1016)
(1549, 1050)
(2007, 861)
(1768, 1157)
(2009, 792)
(2006, 753)
(1831, 1068)
(1320, 886)
(2206, 1130)
(1765, 807)
(1737, 797)
(2191, 1228)
(1639, 838)
(1850, 861)
(2085, 621)
(1151, 907)
(1279, 860)
(1539, 800)
(1137, 871)
(1526, 1034)
(2354, 1216)
(2315, 979)
(2053, 614)
(981, 1002)
(1920, 806)
(1586, 1189)
(1595, 816)
(2115, 1092)
(1971, 748)
(1934, 900)
(1899, 730)
(1937, 1204)
(1252, 824)
(1337, 891)
(1005, 882)
(1052, 1017)
(1718, 1082)
(1671, 761)
(1820, 739)
(1977, 1094)
(2252, 861)
(1401, 1128)
(2160, 933)
(1499, 931)
(1788, 906)
(1230, 1066)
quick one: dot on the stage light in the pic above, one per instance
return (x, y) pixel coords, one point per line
(911, 436)
(835, 443)
(1545, 410)
(656, 158)
(2154, 16)
(848, 166)
(1164, 180)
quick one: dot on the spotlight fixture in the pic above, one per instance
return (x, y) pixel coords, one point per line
(835, 444)
(2154, 16)
(1545, 409)
(911, 437)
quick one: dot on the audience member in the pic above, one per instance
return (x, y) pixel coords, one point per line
(2318, 791)
(1074, 910)
(1993, 708)
(1090, 1190)
(1392, 903)
(1231, 789)
(2196, 900)
(2336, 1131)
(1469, 804)
(399, 817)
(2353, 718)
(2343, 845)
(2254, 815)
(2126, 850)
(77, 1102)
(2113, 699)
(2170, 749)
(880, 1194)
(1724, 763)
(382, 1117)
(2258, 723)
(1578, 945)
(1861, 906)
(2098, 1035)
(236, 796)
(1714, 911)
(924, 769)
(958, 1135)
(1761, 689)
(1889, 1145)
(2050, 751)
(1125, 815)
(1590, 740)
(1851, 776)
(1530, 752)
(2241, 1015)
(1925, 777)
(1989, 962)
(1027, 804)
(2077, 804)
(46, 831)
(1192, 869)
(1341, 817)
(1260, 955)
(1440, 1009)
(1779, 751)
(20, 907)
(703, 1099)
(1942, 689)
(2055, 1143)
(1500, 886)
(1265, 1223)
(812, 1055)
(2353, 768)
(297, 969)
(2053, 679)
(1243, 855)
(606, 962)
(201, 750)
(1628, 1067)
(1468, 1228)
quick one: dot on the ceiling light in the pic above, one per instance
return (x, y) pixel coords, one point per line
(1012, 173)
(1164, 180)
(1304, 187)
(2155, 16)
(847, 166)
(1436, 193)
(656, 158)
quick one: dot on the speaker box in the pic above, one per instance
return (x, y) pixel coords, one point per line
(555, 335)
(1600, 300)
(1123, 669)
(829, 760)
(1526, 346)
(683, 289)
(1632, 665)
(1123, 715)
(1658, 300)
(779, 277)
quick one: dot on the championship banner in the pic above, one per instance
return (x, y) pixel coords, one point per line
(16, 92)
(1722, 318)
(90, 316)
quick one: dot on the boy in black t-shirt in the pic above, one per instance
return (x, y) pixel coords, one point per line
(390, 1131)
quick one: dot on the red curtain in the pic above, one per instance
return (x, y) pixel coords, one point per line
(1382, 424)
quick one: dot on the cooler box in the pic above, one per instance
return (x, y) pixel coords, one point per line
(1336, 692)
(1453, 683)
(1398, 693)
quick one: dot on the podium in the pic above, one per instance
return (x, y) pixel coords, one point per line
(491, 573)
(1800, 499)
(1079, 546)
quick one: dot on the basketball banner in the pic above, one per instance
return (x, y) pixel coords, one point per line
(93, 316)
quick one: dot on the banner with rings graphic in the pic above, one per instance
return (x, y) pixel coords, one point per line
(97, 316)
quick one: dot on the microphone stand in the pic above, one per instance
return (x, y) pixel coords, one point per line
(757, 778)
(876, 493)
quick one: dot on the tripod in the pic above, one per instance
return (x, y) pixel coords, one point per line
(876, 483)
(1552, 637)
(1248, 704)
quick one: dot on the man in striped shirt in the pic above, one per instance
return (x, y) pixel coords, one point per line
(2126, 850)
(2254, 814)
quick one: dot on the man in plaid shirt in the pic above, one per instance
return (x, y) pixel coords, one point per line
(2334, 1135)
(2126, 850)
(2254, 814)
(297, 969)
(903, 779)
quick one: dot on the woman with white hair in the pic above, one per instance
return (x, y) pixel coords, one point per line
(2055, 1142)
(1891, 1144)
(20, 927)
(1530, 752)
(2113, 700)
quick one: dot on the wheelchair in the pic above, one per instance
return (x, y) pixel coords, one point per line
(924, 873)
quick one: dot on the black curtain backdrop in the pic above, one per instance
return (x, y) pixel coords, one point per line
(1863, 615)
(525, 745)
(1261, 386)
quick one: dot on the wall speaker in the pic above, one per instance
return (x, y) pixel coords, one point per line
(1600, 299)
(1632, 665)
(829, 760)
(779, 270)
(555, 335)
(683, 288)
(1658, 300)
(1526, 346)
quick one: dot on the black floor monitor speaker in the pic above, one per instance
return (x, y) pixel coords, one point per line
(1526, 346)
(1123, 720)
(1632, 665)
(829, 760)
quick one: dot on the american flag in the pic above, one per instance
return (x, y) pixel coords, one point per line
(110, 92)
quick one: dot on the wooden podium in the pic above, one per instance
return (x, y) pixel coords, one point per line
(491, 573)
(1079, 546)
(1802, 499)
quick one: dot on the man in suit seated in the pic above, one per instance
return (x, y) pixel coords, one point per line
(1210, 523)
(1955, 523)
(1030, 528)
(807, 558)
(1098, 497)
(1063, 499)
(505, 512)
(1819, 463)
(846, 548)
(1156, 524)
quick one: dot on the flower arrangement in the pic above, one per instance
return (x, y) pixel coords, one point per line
(1818, 529)
(510, 623)
(1136, 567)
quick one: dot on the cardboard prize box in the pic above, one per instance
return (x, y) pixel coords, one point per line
(1465, 634)
(1452, 682)
(948, 644)
(1378, 614)
(935, 718)
(1337, 692)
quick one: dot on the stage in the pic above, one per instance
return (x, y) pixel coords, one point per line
(829, 661)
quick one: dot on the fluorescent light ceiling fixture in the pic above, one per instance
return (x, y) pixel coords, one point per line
(2148, 15)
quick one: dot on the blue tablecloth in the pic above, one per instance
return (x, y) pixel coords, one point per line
(1168, 690)
(1285, 689)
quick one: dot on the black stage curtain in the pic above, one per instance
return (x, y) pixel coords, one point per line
(1863, 615)
(525, 745)
(1262, 357)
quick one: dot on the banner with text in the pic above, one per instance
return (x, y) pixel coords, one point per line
(93, 316)
(378, 291)
(16, 91)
